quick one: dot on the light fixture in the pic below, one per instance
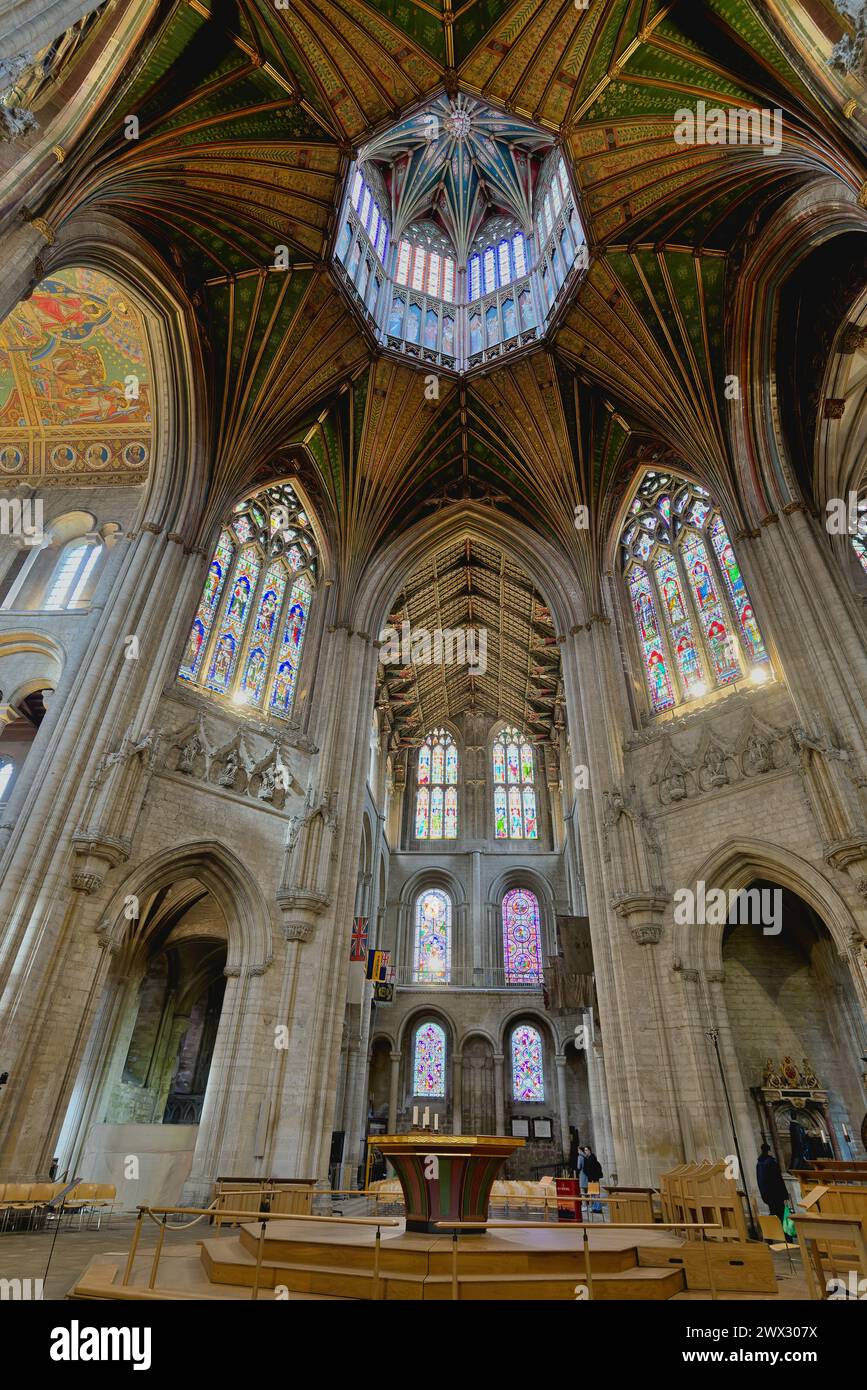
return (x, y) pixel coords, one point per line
(239, 697)
(700, 689)
(758, 675)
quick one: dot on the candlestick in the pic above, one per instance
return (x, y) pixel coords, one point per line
(425, 1119)
(415, 1117)
(436, 1122)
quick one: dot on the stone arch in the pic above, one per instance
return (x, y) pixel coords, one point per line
(476, 1051)
(544, 563)
(406, 1047)
(420, 882)
(518, 875)
(825, 209)
(173, 495)
(249, 952)
(433, 877)
(436, 1014)
(528, 1014)
(29, 661)
(733, 866)
(221, 872)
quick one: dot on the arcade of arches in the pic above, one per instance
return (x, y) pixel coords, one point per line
(416, 465)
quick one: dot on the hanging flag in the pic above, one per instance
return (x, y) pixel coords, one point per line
(383, 994)
(377, 965)
(358, 950)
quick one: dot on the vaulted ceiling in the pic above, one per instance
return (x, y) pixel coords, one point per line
(467, 585)
(249, 114)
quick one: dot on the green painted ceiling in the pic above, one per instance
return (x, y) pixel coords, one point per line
(249, 115)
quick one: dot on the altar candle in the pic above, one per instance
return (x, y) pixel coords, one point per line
(436, 1122)
(415, 1117)
(425, 1120)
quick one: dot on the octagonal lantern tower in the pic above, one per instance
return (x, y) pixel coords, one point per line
(459, 234)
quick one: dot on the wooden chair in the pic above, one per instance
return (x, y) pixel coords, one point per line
(832, 1232)
(773, 1233)
(16, 1200)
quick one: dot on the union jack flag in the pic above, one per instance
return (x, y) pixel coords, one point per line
(358, 949)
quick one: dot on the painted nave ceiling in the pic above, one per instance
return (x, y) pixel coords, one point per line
(252, 117)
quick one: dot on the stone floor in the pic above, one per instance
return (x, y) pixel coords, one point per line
(31, 1254)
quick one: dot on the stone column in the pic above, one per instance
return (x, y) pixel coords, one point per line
(457, 1092)
(476, 909)
(499, 1095)
(394, 1081)
(563, 1103)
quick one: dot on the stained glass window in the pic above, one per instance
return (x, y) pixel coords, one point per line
(689, 574)
(475, 284)
(734, 583)
(436, 812)
(422, 813)
(262, 636)
(501, 825)
(528, 1075)
(236, 612)
(433, 933)
(429, 1061)
(248, 631)
(522, 938)
(514, 791)
(289, 655)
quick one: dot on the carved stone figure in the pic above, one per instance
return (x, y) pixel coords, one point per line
(757, 756)
(230, 769)
(715, 766)
(190, 751)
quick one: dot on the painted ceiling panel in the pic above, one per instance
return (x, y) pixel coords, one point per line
(75, 384)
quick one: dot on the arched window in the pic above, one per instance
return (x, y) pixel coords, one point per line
(429, 1061)
(7, 768)
(432, 953)
(522, 938)
(475, 277)
(247, 636)
(528, 1074)
(436, 803)
(372, 222)
(71, 573)
(514, 787)
(695, 623)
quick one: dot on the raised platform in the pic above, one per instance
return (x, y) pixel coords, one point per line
(312, 1261)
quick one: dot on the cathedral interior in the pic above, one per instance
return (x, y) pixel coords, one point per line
(433, 585)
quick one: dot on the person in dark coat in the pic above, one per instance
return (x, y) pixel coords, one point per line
(773, 1190)
(593, 1171)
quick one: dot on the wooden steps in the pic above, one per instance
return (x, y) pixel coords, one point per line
(632, 1284)
(416, 1267)
(228, 1262)
(303, 1261)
